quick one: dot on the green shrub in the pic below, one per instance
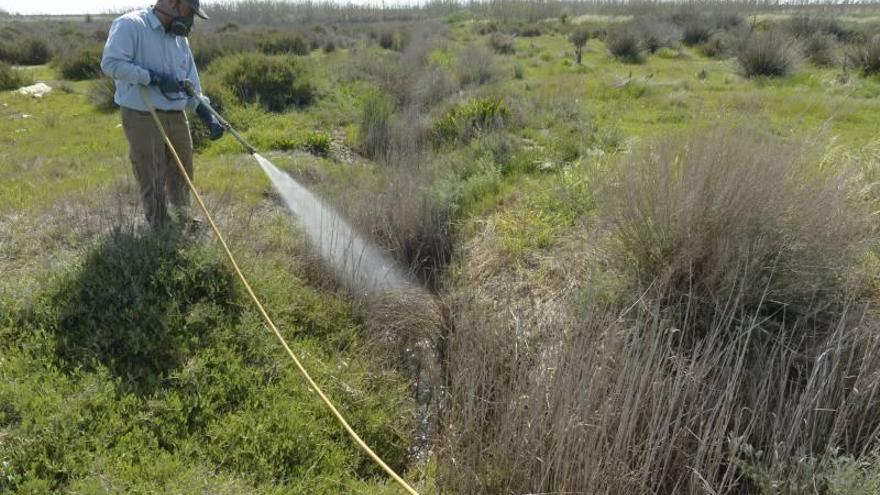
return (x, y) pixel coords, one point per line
(317, 143)
(502, 43)
(207, 47)
(275, 83)
(101, 92)
(767, 53)
(34, 52)
(477, 116)
(81, 64)
(146, 365)
(9, 77)
(624, 46)
(866, 56)
(695, 32)
(284, 44)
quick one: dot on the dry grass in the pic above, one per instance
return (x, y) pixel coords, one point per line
(729, 211)
(701, 384)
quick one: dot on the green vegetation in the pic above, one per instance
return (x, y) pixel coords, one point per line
(273, 83)
(646, 232)
(9, 78)
(80, 64)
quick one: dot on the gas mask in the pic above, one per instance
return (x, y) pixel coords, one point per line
(180, 24)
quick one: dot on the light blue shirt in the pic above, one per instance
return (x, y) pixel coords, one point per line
(137, 41)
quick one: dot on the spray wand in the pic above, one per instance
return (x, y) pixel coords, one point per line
(190, 90)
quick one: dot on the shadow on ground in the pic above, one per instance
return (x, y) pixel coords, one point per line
(139, 304)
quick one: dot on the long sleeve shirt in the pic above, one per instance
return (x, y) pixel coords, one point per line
(137, 42)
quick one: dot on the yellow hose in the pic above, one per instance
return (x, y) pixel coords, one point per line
(357, 439)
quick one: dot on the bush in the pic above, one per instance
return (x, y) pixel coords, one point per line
(502, 43)
(275, 83)
(720, 45)
(805, 27)
(767, 53)
(284, 44)
(81, 64)
(478, 116)
(866, 56)
(10, 78)
(101, 92)
(207, 47)
(317, 143)
(375, 126)
(655, 33)
(821, 49)
(476, 66)
(732, 213)
(578, 37)
(393, 40)
(696, 31)
(624, 46)
(34, 52)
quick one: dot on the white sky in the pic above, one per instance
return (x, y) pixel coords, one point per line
(68, 7)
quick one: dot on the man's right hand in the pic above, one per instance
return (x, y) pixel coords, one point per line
(166, 83)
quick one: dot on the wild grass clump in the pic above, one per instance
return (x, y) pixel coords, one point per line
(275, 83)
(696, 30)
(767, 53)
(821, 50)
(9, 77)
(654, 33)
(807, 26)
(720, 45)
(80, 64)
(376, 124)
(624, 45)
(732, 213)
(477, 116)
(749, 239)
(101, 93)
(476, 66)
(317, 143)
(502, 44)
(612, 404)
(866, 56)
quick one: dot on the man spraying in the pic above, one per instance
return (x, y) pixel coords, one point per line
(149, 47)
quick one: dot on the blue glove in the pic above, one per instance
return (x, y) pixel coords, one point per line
(166, 83)
(214, 128)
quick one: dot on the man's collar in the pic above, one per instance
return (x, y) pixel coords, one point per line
(153, 19)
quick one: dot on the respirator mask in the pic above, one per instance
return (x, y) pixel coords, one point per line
(181, 25)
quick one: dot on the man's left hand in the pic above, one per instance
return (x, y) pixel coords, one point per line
(214, 128)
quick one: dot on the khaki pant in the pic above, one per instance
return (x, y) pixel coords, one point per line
(154, 167)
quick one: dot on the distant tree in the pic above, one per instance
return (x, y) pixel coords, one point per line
(578, 37)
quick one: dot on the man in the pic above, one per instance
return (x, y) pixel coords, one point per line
(149, 48)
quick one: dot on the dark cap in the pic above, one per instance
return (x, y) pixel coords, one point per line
(197, 9)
